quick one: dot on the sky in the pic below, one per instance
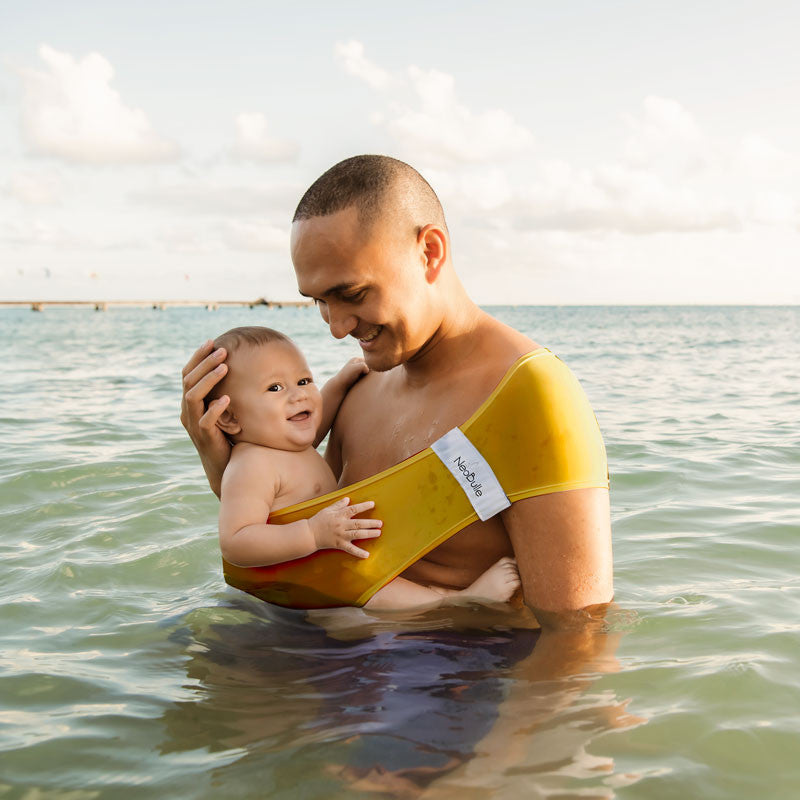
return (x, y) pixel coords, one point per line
(584, 152)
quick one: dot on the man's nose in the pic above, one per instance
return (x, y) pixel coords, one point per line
(340, 321)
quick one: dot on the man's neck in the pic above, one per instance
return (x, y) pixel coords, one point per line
(450, 346)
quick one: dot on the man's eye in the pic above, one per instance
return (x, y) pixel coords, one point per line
(276, 387)
(356, 297)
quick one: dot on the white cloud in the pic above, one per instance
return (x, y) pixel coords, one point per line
(428, 121)
(245, 235)
(757, 157)
(71, 111)
(44, 233)
(351, 56)
(253, 141)
(669, 176)
(616, 197)
(186, 239)
(210, 197)
(664, 129)
(36, 188)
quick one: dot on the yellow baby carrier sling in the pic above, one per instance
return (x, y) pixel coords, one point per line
(535, 434)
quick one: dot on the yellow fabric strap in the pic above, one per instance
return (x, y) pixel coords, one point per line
(537, 432)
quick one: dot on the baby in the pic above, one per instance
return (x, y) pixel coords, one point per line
(275, 418)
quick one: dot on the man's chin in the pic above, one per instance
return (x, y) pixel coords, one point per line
(381, 362)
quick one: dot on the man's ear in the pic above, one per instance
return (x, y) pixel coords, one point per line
(434, 248)
(228, 423)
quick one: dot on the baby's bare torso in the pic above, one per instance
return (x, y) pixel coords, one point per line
(298, 475)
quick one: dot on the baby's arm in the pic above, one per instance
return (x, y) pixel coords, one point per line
(334, 391)
(249, 487)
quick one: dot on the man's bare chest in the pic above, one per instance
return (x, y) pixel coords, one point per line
(388, 427)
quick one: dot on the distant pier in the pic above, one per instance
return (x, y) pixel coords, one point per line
(157, 305)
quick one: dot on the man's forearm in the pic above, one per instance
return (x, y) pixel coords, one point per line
(214, 472)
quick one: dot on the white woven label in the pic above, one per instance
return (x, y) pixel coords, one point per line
(473, 473)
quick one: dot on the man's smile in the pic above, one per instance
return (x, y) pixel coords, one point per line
(369, 336)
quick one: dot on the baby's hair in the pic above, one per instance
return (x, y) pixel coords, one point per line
(232, 340)
(254, 335)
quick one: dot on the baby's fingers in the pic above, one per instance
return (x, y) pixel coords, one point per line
(359, 508)
(357, 524)
(355, 551)
(370, 533)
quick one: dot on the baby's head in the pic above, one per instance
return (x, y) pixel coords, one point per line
(273, 399)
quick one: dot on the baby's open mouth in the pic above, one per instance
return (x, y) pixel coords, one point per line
(300, 416)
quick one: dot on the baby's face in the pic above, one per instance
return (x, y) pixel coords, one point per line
(273, 396)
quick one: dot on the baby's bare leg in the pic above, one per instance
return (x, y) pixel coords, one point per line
(497, 584)
(401, 593)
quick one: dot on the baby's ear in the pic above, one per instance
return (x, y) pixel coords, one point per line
(228, 423)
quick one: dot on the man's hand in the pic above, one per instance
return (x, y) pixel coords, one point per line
(335, 528)
(204, 370)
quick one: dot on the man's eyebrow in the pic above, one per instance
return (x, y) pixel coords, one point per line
(338, 289)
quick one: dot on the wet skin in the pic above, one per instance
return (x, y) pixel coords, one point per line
(434, 358)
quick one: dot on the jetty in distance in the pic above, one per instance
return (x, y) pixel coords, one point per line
(158, 305)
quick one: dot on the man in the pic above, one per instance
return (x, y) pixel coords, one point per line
(370, 245)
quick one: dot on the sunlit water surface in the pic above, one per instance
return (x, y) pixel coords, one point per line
(128, 669)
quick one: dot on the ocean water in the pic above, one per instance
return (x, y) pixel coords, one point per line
(129, 670)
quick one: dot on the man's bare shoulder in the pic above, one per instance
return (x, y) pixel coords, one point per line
(365, 390)
(502, 342)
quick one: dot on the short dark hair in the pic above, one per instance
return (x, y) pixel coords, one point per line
(232, 340)
(365, 182)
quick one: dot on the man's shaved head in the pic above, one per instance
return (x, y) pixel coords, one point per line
(378, 186)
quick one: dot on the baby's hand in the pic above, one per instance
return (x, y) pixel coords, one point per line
(352, 371)
(334, 527)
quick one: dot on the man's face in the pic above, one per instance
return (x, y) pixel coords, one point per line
(273, 396)
(368, 284)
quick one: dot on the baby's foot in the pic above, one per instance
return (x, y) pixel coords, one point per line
(497, 584)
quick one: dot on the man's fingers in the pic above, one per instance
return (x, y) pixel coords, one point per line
(206, 366)
(358, 508)
(198, 392)
(197, 357)
(215, 409)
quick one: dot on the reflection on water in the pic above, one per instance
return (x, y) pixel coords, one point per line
(450, 702)
(128, 672)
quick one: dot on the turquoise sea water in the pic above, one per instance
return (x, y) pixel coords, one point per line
(129, 670)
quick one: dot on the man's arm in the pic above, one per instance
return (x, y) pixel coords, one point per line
(204, 370)
(562, 543)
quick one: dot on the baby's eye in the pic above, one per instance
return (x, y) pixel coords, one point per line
(275, 387)
(305, 381)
